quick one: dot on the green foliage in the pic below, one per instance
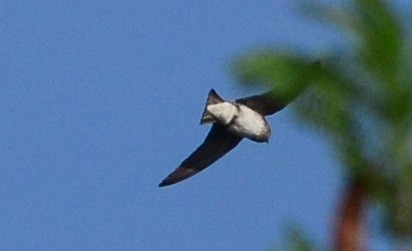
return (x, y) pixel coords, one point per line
(296, 240)
(265, 68)
(361, 99)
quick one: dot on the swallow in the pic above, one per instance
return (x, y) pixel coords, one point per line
(231, 122)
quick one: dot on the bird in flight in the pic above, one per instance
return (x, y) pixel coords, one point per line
(232, 121)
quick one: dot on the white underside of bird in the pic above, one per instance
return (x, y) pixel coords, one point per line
(241, 120)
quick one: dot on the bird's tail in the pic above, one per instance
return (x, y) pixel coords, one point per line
(212, 98)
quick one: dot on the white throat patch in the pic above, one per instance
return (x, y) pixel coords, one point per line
(224, 112)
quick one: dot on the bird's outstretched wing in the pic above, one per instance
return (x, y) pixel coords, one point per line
(217, 143)
(271, 102)
(265, 104)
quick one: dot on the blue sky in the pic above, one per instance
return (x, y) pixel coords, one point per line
(102, 99)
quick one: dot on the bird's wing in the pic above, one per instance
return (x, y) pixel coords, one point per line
(273, 101)
(265, 104)
(217, 143)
